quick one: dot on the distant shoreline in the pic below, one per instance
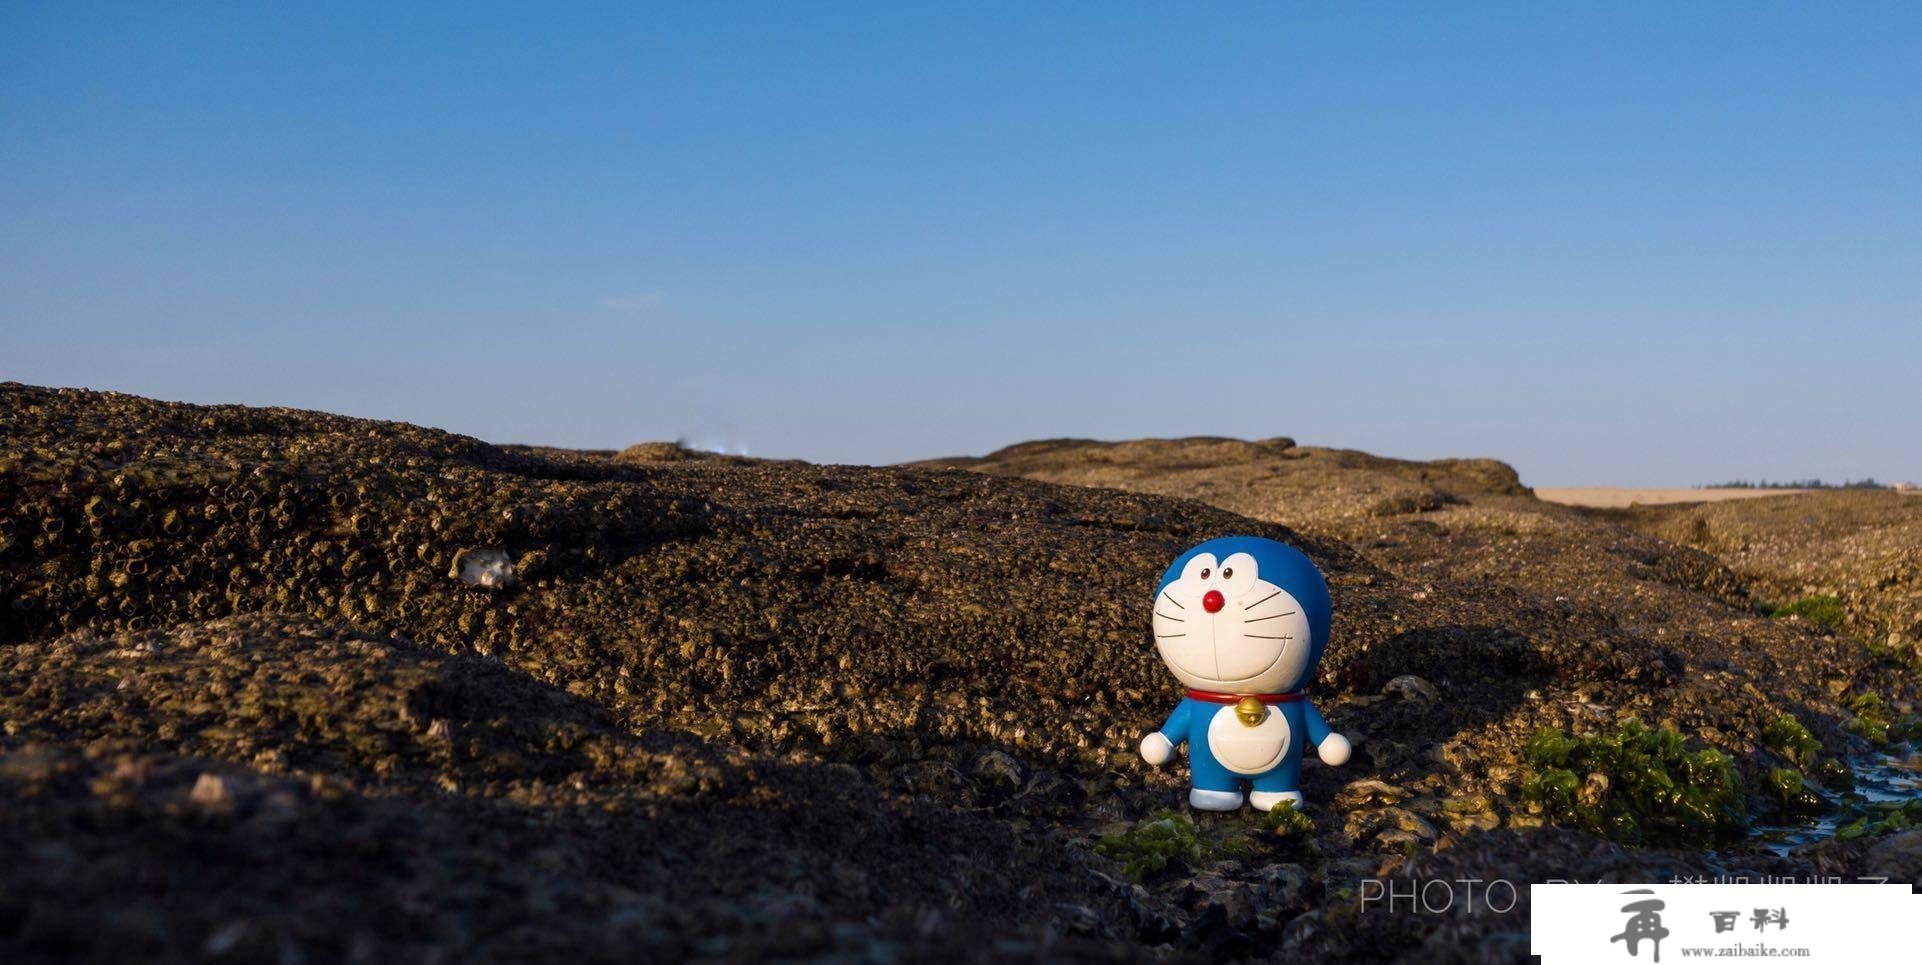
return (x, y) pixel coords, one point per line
(1611, 497)
(1622, 497)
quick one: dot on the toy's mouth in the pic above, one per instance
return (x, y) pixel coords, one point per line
(1272, 664)
(1208, 673)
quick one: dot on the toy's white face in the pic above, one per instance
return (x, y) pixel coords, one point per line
(1221, 627)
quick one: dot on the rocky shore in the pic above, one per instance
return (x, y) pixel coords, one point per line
(286, 685)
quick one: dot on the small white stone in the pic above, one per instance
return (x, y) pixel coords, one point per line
(489, 569)
(209, 791)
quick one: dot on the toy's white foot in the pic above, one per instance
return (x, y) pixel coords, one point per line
(1202, 800)
(1266, 800)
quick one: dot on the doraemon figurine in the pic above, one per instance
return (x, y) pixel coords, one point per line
(1242, 621)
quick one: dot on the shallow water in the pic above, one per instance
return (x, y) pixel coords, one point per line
(1879, 778)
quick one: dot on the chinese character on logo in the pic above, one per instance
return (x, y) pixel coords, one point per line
(1764, 918)
(1646, 922)
(1724, 920)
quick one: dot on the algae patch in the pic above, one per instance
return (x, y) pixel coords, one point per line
(1792, 793)
(1634, 784)
(1880, 817)
(1788, 787)
(1786, 736)
(1285, 821)
(1820, 609)
(1871, 718)
(1160, 839)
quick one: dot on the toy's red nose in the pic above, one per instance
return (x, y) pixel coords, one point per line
(1213, 601)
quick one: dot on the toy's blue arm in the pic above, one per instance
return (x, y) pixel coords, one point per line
(1318, 729)
(1176, 729)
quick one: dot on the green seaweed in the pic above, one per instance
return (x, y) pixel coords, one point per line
(1875, 719)
(1834, 774)
(1161, 838)
(1821, 609)
(1895, 655)
(1879, 817)
(1871, 718)
(1907, 728)
(1787, 736)
(1234, 847)
(1285, 821)
(1635, 784)
(1792, 792)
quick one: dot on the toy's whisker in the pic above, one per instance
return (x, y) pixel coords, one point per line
(1168, 636)
(1257, 636)
(1271, 616)
(1262, 600)
(1170, 599)
(1164, 616)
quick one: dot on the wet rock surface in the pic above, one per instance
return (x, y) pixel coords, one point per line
(731, 708)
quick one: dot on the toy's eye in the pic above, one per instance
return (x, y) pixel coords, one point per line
(1238, 574)
(1200, 568)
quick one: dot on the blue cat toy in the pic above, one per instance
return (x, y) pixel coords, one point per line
(1242, 621)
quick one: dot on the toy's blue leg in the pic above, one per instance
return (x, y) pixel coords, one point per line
(1285, 777)
(1206, 773)
(1215, 787)
(1281, 784)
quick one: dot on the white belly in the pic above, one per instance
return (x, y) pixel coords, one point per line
(1244, 749)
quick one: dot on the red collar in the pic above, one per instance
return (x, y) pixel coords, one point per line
(1217, 698)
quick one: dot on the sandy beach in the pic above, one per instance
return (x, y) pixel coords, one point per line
(1611, 497)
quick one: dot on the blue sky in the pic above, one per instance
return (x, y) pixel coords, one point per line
(1620, 244)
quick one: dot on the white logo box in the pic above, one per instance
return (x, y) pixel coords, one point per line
(1843, 923)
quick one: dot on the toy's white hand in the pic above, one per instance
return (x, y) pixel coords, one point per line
(1156, 748)
(1334, 750)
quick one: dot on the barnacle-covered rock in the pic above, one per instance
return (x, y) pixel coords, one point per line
(740, 708)
(647, 452)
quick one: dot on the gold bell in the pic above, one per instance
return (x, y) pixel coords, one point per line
(1251, 711)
